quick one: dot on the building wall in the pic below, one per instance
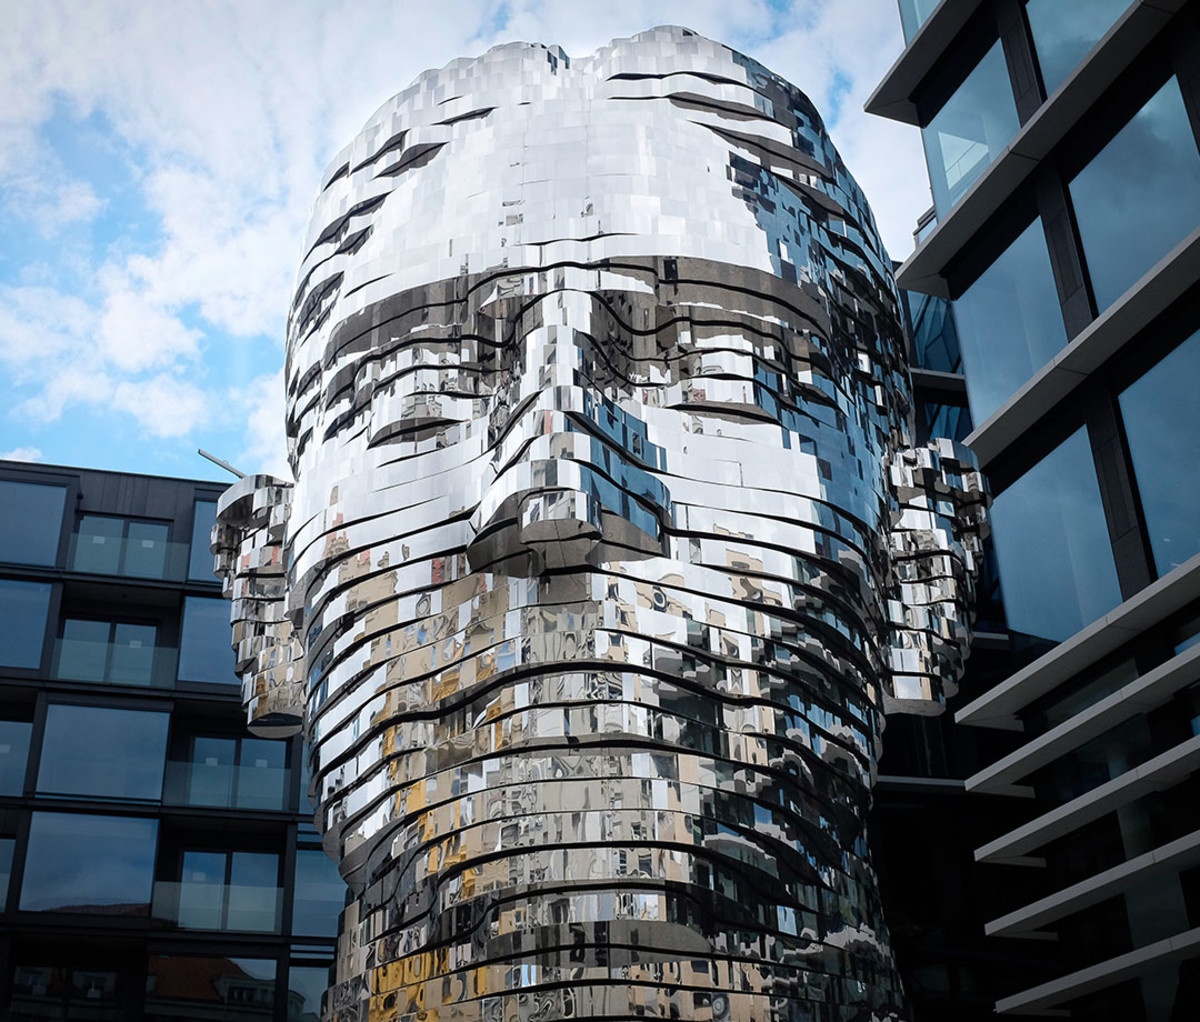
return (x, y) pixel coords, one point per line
(1062, 146)
(156, 861)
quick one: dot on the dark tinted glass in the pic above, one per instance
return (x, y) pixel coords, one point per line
(306, 984)
(1162, 420)
(146, 550)
(30, 520)
(1140, 196)
(89, 864)
(1056, 565)
(7, 844)
(49, 992)
(205, 653)
(934, 334)
(103, 752)
(1009, 322)
(970, 130)
(320, 894)
(184, 987)
(98, 545)
(14, 753)
(1065, 30)
(200, 558)
(938, 420)
(23, 610)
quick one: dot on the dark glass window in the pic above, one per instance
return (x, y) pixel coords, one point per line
(970, 130)
(226, 890)
(227, 772)
(23, 609)
(1009, 322)
(306, 984)
(319, 896)
(1056, 563)
(1064, 32)
(7, 845)
(114, 877)
(112, 652)
(130, 547)
(200, 558)
(32, 514)
(1139, 197)
(1162, 420)
(182, 987)
(205, 650)
(14, 754)
(934, 335)
(914, 14)
(938, 420)
(103, 752)
(42, 992)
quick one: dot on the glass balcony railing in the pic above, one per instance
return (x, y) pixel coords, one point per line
(227, 907)
(224, 786)
(128, 556)
(114, 663)
(914, 14)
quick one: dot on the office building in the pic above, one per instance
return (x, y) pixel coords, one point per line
(156, 861)
(1061, 139)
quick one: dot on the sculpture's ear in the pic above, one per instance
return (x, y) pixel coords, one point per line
(248, 542)
(938, 525)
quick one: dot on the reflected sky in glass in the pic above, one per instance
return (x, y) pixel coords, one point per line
(87, 863)
(98, 751)
(23, 609)
(1162, 421)
(205, 653)
(1139, 197)
(1065, 30)
(30, 522)
(200, 558)
(1056, 564)
(1009, 322)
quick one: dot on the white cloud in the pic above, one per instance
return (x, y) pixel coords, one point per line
(226, 113)
(22, 454)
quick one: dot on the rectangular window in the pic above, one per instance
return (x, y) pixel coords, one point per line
(1139, 197)
(103, 752)
(113, 653)
(14, 754)
(1009, 322)
(933, 332)
(970, 130)
(114, 877)
(1162, 421)
(306, 986)
(23, 609)
(205, 649)
(49, 992)
(200, 558)
(223, 890)
(7, 846)
(320, 894)
(1056, 564)
(185, 987)
(1064, 32)
(230, 772)
(32, 514)
(129, 547)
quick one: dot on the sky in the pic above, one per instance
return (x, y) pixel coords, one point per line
(158, 163)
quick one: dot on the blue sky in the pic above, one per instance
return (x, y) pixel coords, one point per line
(158, 162)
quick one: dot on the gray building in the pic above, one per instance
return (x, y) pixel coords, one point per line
(156, 861)
(1061, 139)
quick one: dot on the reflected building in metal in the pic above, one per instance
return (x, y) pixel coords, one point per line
(607, 551)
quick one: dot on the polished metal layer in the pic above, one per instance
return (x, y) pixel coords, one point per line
(607, 551)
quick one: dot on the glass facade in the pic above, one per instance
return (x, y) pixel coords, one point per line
(32, 515)
(320, 894)
(306, 984)
(111, 652)
(186, 987)
(1009, 322)
(933, 333)
(114, 877)
(204, 650)
(200, 558)
(970, 130)
(1140, 196)
(1065, 30)
(103, 752)
(1161, 412)
(914, 14)
(1052, 516)
(24, 607)
(14, 754)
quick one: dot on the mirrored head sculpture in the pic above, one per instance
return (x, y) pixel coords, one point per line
(606, 553)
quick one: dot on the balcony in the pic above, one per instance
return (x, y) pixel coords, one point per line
(225, 786)
(128, 556)
(114, 663)
(230, 908)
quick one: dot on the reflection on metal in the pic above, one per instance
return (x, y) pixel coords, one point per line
(607, 551)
